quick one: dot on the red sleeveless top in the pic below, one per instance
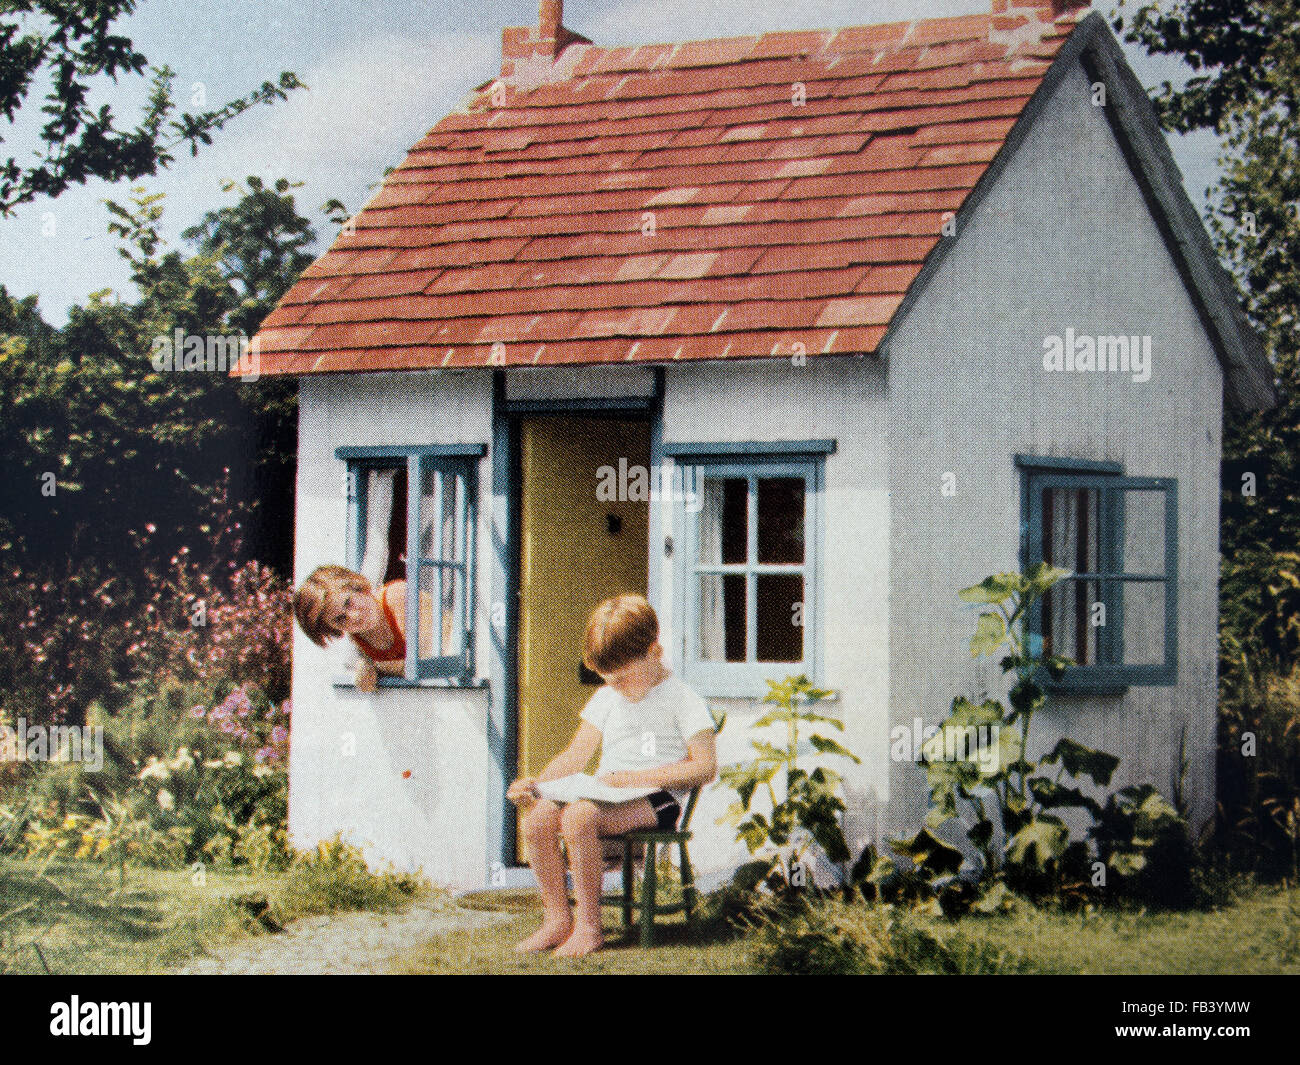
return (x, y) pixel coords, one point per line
(397, 651)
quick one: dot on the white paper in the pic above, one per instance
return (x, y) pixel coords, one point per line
(584, 786)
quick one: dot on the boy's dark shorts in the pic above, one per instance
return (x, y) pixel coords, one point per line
(666, 809)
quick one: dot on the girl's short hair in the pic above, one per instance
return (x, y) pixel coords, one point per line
(310, 600)
(619, 631)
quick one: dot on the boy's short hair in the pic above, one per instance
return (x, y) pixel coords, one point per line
(619, 631)
(310, 600)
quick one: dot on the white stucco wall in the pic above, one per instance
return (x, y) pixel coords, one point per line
(350, 751)
(1064, 240)
(842, 400)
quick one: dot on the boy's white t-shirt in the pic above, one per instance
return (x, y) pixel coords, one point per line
(649, 733)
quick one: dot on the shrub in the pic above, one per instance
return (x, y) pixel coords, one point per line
(225, 810)
(807, 811)
(1017, 830)
(1257, 828)
(335, 876)
(87, 634)
(831, 938)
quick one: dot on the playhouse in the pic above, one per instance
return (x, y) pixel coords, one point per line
(796, 334)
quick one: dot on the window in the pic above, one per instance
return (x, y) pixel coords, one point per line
(424, 537)
(749, 570)
(1116, 615)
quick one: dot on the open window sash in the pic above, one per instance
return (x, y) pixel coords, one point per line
(1117, 614)
(439, 571)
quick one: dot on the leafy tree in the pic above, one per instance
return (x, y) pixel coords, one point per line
(1245, 86)
(72, 44)
(261, 244)
(99, 443)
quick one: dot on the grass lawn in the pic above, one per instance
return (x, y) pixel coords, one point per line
(75, 917)
(1258, 934)
(72, 918)
(491, 950)
(79, 919)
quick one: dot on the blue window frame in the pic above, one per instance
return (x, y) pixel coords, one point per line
(1116, 616)
(430, 524)
(749, 575)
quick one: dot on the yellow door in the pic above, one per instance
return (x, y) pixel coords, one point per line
(577, 548)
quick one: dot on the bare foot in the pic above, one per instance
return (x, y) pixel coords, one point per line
(584, 941)
(551, 934)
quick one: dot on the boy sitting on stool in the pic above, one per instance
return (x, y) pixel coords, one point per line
(653, 731)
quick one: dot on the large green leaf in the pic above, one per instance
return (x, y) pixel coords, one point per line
(733, 814)
(1010, 750)
(994, 589)
(1127, 863)
(990, 634)
(830, 837)
(744, 779)
(768, 752)
(964, 712)
(929, 853)
(751, 874)
(1041, 840)
(1051, 794)
(826, 745)
(997, 899)
(1026, 695)
(826, 778)
(753, 833)
(1077, 759)
(1040, 577)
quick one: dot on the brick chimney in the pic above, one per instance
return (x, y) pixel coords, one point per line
(1049, 9)
(545, 40)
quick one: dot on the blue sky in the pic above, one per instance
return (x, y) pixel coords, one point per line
(380, 74)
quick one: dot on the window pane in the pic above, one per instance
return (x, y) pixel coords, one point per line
(780, 606)
(780, 520)
(442, 587)
(431, 508)
(724, 521)
(397, 530)
(1143, 515)
(382, 531)
(722, 617)
(1068, 627)
(438, 634)
(1070, 529)
(1144, 623)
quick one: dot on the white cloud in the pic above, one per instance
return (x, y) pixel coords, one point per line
(366, 105)
(654, 21)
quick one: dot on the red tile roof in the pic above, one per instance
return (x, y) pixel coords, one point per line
(671, 202)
